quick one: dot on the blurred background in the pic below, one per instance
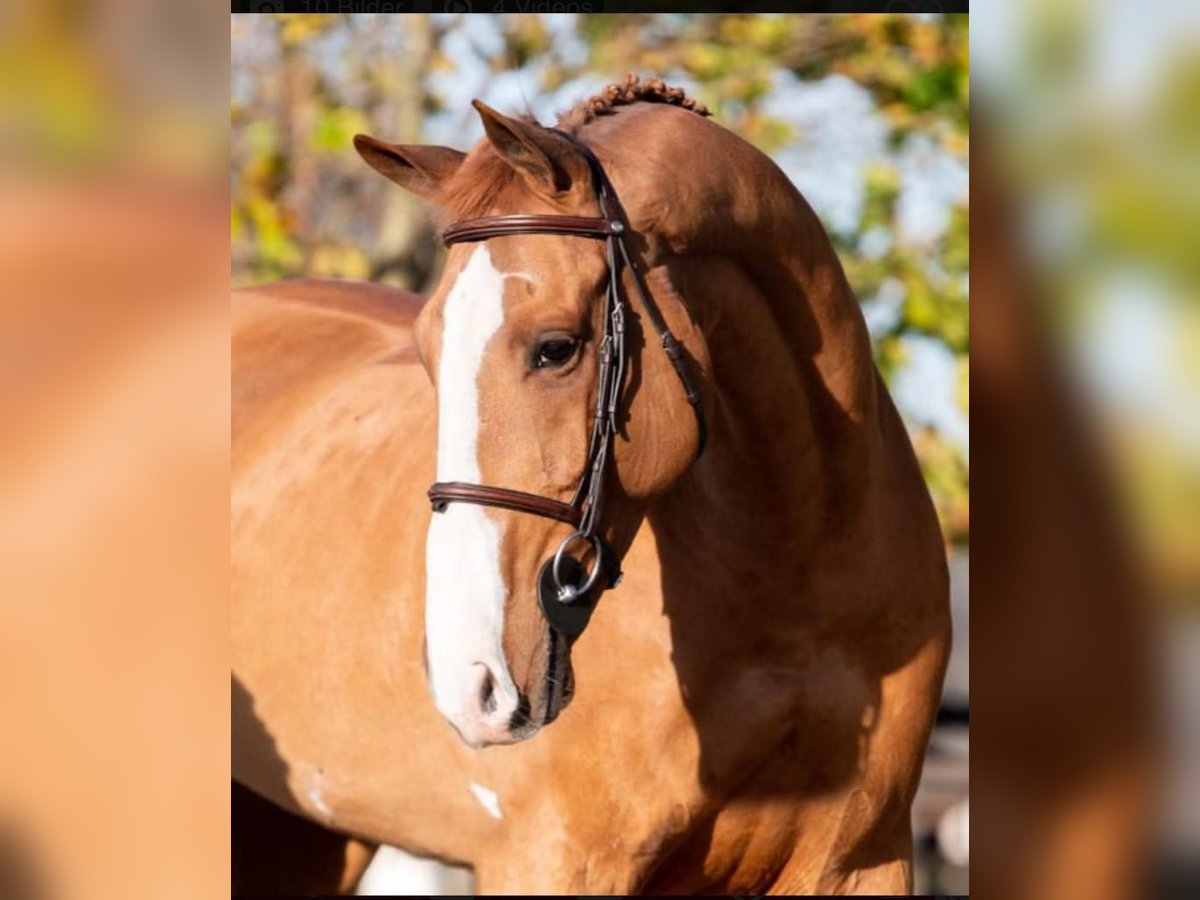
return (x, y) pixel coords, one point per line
(1087, 387)
(867, 114)
(114, 187)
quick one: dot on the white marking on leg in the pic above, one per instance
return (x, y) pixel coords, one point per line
(394, 872)
(487, 799)
(465, 591)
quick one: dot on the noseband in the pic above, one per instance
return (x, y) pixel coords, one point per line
(566, 591)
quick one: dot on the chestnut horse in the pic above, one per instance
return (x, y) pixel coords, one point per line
(748, 711)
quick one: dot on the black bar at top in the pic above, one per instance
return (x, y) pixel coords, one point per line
(597, 6)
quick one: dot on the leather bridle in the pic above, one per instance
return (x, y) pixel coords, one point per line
(566, 591)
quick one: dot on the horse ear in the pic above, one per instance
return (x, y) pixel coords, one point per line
(551, 164)
(416, 167)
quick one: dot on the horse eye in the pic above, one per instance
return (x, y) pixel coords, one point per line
(554, 352)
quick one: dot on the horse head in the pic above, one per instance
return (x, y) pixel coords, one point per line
(520, 339)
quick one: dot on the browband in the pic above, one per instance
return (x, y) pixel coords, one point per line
(500, 226)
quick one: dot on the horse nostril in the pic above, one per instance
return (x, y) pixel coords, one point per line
(487, 693)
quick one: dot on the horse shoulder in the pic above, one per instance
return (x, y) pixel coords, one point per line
(328, 454)
(292, 339)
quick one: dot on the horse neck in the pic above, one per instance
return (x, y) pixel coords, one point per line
(788, 476)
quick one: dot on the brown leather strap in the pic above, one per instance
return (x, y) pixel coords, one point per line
(445, 492)
(500, 226)
(584, 511)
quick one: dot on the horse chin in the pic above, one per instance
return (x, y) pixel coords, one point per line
(523, 732)
(478, 735)
(500, 739)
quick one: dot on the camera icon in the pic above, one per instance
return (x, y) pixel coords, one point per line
(268, 6)
(458, 6)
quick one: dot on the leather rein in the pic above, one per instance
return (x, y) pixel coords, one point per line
(567, 593)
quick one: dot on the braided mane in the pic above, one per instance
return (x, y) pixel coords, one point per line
(629, 90)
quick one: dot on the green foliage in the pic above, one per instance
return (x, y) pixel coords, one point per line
(335, 128)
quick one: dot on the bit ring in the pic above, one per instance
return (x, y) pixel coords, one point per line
(568, 593)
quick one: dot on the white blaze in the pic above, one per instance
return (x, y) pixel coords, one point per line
(465, 593)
